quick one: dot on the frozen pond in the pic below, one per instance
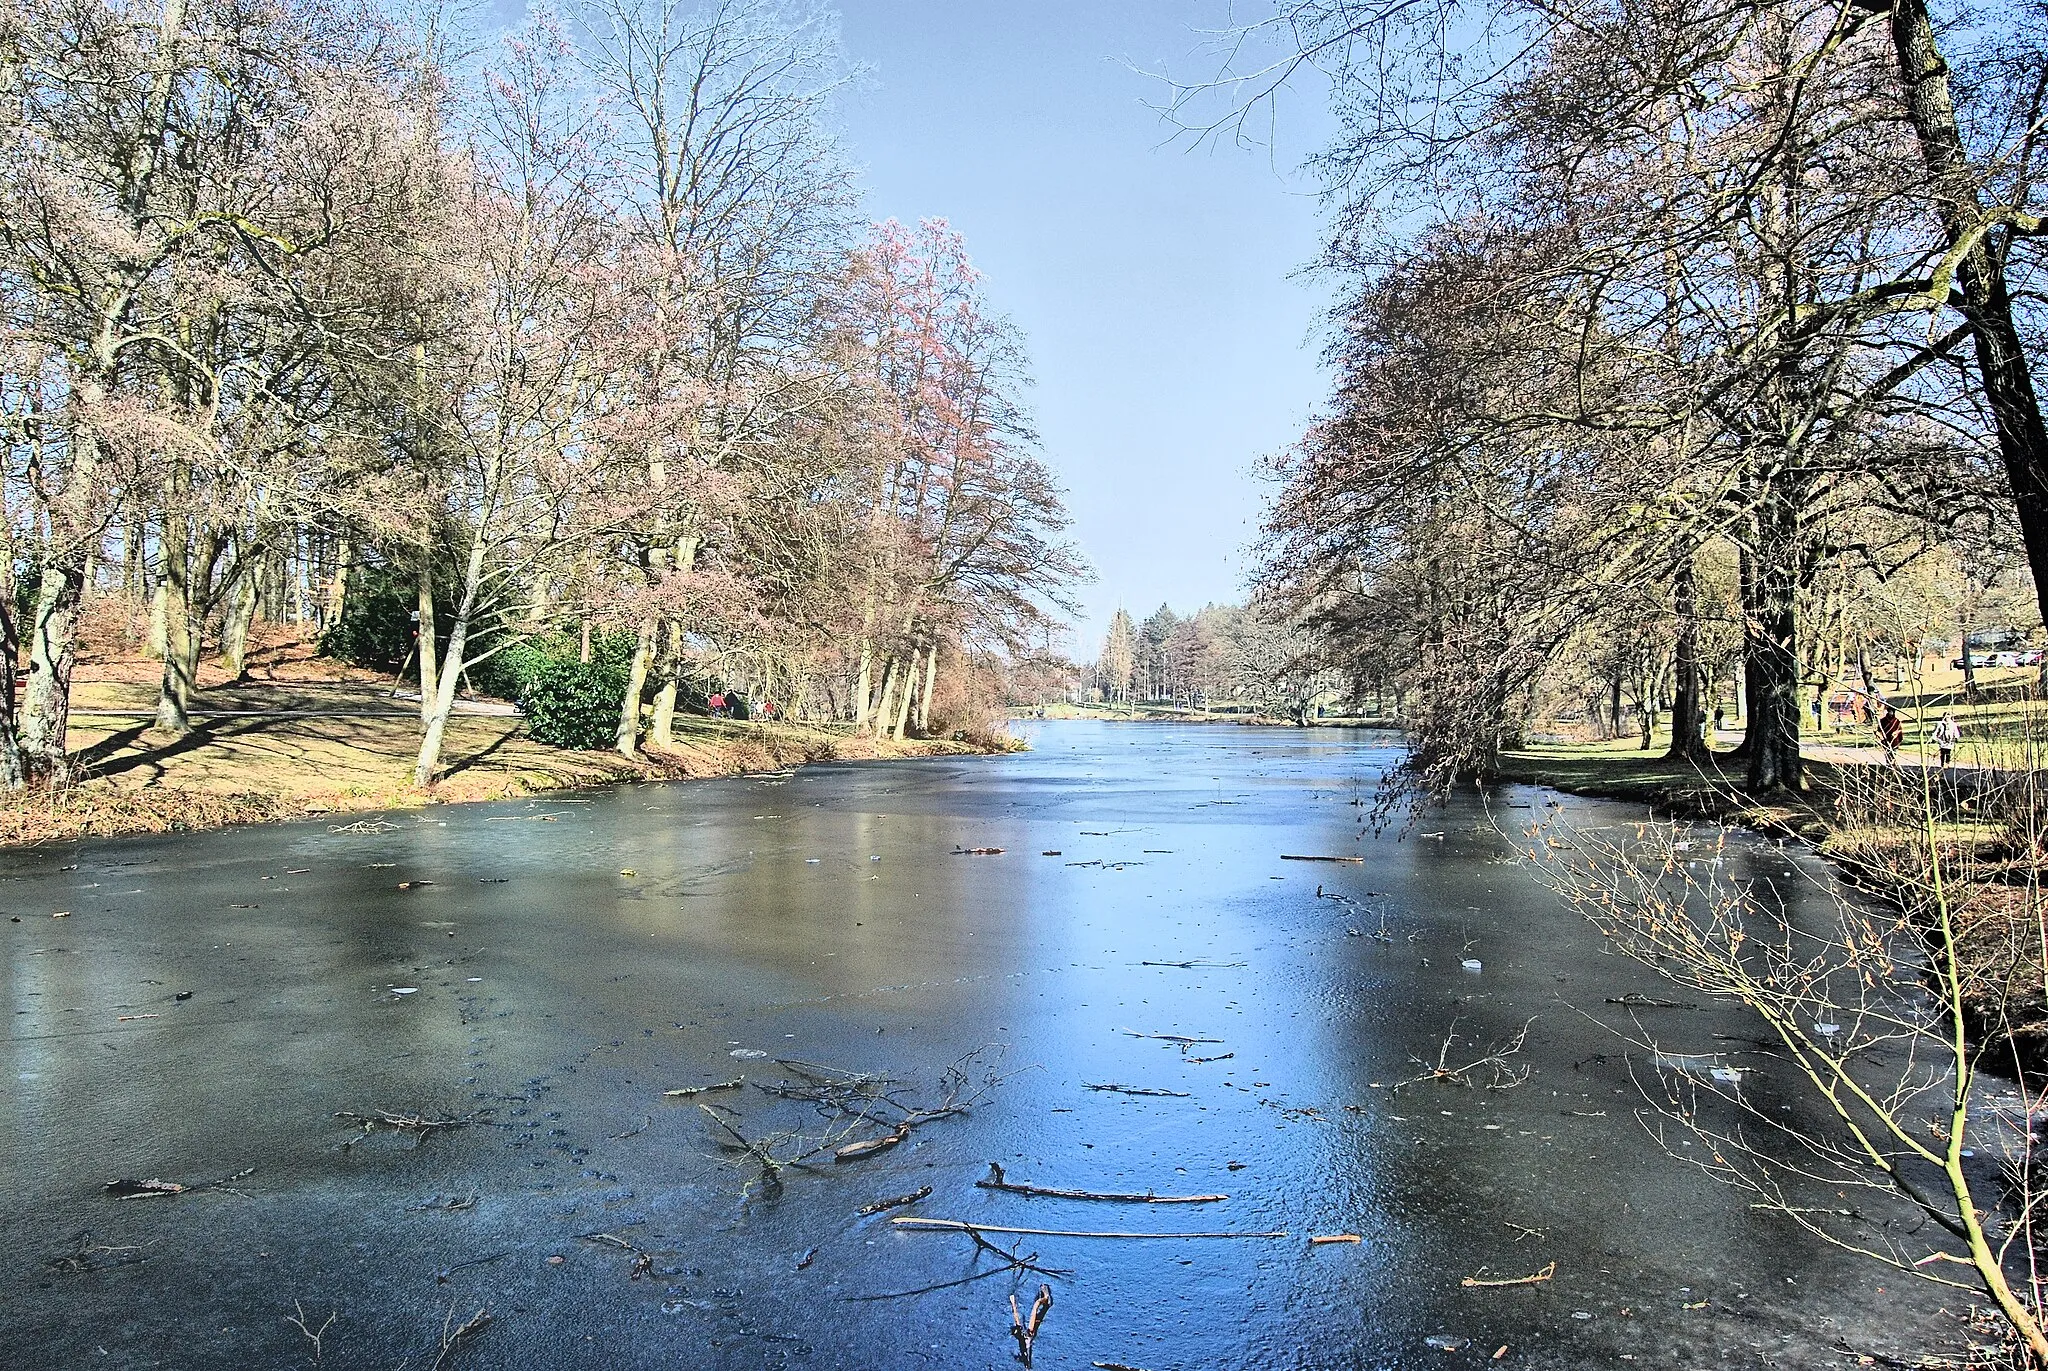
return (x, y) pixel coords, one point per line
(543, 972)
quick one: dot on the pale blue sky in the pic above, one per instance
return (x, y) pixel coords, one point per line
(1171, 341)
(1153, 283)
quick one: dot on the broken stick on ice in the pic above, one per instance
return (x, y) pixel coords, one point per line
(1025, 1328)
(687, 1091)
(1481, 1283)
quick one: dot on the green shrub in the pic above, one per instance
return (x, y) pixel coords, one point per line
(613, 648)
(506, 673)
(375, 627)
(573, 704)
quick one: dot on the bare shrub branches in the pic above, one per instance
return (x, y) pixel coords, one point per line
(1866, 1007)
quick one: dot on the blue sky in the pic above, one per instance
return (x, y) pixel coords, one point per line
(1170, 345)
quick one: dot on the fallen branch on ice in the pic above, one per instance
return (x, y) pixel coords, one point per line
(996, 1180)
(1116, 1089)
(917, 1225)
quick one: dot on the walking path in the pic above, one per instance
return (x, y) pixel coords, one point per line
(1841, 754)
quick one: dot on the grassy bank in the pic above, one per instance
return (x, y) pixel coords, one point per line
(1622, 770)
(307, 737)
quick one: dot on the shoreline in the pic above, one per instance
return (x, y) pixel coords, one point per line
(1888, 863)
(1680, 789)
(231, 792)
(1102, 714)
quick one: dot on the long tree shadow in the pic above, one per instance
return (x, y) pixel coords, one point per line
(104, 758)
(480, 754)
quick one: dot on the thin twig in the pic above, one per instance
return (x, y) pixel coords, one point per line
(297, 1319)
(1478, 1283)
(1182, 1039)
(451, 1340)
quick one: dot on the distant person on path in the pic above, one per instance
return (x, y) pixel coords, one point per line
(1719, 715)
(717, 703)
(1890, 733)
(1946, 735)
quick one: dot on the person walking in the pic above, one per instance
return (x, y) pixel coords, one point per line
(1890, 733)
(1947, 733)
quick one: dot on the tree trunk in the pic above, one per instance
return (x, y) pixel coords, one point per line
(1688, 712)
(1969, 667)
(880, 715)
(458, 638)
(181, 667)
(180, 655)
(236, 630)
(1771, 652)
(153, 639)
(52, 651)
(662, 734)
(910, 675)
(234, 634)
(429, 673)
(2002, 368)
(863, 683)
(444, 698)
(74, 524)
(337, 589)
(134, 566)
(12, 774)
(628, 741)
(931, 678)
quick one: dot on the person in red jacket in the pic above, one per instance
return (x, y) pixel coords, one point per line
(1890, 733)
